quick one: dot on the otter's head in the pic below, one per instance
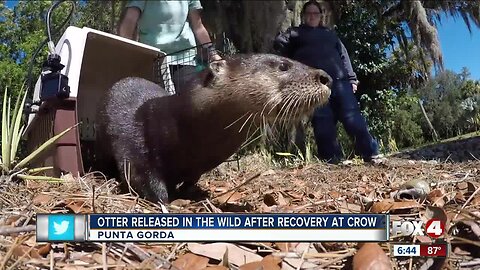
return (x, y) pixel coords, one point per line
(275, 87)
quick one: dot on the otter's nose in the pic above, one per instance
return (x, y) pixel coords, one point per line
(324, 78)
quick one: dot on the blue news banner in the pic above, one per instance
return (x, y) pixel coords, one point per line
(212, 227)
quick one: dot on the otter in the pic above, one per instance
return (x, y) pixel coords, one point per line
(170, 139)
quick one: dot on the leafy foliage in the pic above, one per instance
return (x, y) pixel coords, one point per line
(407, 118)
(452, 103)
(21, 33)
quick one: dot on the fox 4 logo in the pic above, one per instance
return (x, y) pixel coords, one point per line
(433, 227)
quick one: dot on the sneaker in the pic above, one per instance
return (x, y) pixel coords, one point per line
(377, 159)
(347, 162)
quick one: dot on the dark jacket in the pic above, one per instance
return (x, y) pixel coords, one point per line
(318, 47)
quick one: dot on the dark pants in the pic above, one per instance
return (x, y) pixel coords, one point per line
(343, 106)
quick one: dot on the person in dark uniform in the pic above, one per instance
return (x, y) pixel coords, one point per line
(314, 44)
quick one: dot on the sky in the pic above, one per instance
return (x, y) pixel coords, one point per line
(460, 47)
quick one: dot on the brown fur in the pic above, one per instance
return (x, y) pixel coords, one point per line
(173, 139)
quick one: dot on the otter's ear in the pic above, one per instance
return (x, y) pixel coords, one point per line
(218, 67)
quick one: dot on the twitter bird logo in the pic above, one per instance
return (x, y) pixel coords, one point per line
(61, 227)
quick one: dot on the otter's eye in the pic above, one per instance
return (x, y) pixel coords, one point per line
(283, 67)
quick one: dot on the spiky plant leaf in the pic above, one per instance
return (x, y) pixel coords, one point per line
(38, 170)
(16, 132)
(5, 116)
(9, 115)
(11, 123)
(40, 149)
(16, 142)
(1, 159)
(39, 178)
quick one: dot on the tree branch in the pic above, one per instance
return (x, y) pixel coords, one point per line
(394, 11)
(12, 230)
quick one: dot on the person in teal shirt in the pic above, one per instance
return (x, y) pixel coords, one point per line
(171, 26)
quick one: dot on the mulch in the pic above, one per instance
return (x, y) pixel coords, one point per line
(404, 188)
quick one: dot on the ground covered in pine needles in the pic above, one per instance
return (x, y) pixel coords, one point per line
(403, 187)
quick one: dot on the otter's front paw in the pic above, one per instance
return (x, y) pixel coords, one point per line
(190, 191)
(160, 192)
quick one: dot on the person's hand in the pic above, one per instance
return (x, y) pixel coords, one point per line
(216, 57)
(354, 87)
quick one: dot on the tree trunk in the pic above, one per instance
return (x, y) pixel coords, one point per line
(250, 25)
(253, 25)
(435, 135)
